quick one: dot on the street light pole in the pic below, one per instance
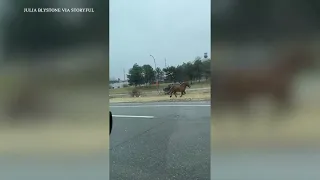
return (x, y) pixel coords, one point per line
(165, 62)
(155, 68)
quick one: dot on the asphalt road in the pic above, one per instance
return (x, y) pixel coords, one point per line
(61, 167)
(172, 141)
(174, 144)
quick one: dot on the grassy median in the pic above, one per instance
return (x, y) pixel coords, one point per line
(199, 95)
(55, 138)
(126, 90)
(298, 128)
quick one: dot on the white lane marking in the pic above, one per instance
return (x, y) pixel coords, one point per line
(128, 116)
(164, 105)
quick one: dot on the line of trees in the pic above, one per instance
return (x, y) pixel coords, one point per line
(190, 71)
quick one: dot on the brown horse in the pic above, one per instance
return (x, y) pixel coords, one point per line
(236, 87)
(179, 88)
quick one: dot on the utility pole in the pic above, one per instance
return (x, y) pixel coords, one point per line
(124, 75)
(155, 68)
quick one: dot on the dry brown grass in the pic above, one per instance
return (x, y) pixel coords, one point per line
(127, 90)
(299, 128)
(55, 138)
(190, 96)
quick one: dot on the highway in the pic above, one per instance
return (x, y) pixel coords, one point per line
(162, 140)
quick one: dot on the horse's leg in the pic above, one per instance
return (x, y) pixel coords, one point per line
(175, 93)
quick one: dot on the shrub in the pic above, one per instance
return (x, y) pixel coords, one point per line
(135, 92)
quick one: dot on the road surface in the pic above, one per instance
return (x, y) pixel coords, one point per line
(160, 141)
(175, 145)
(165, 141)
(69, 167)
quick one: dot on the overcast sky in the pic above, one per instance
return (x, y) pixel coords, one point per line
(178, 30)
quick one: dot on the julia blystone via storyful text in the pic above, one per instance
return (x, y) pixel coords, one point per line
(58, 10)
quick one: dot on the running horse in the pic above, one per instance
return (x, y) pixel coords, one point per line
(237, 86)
(179, 88)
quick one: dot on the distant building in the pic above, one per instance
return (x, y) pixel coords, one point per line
(119, 84)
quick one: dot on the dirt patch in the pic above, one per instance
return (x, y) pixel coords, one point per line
(190, 96)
